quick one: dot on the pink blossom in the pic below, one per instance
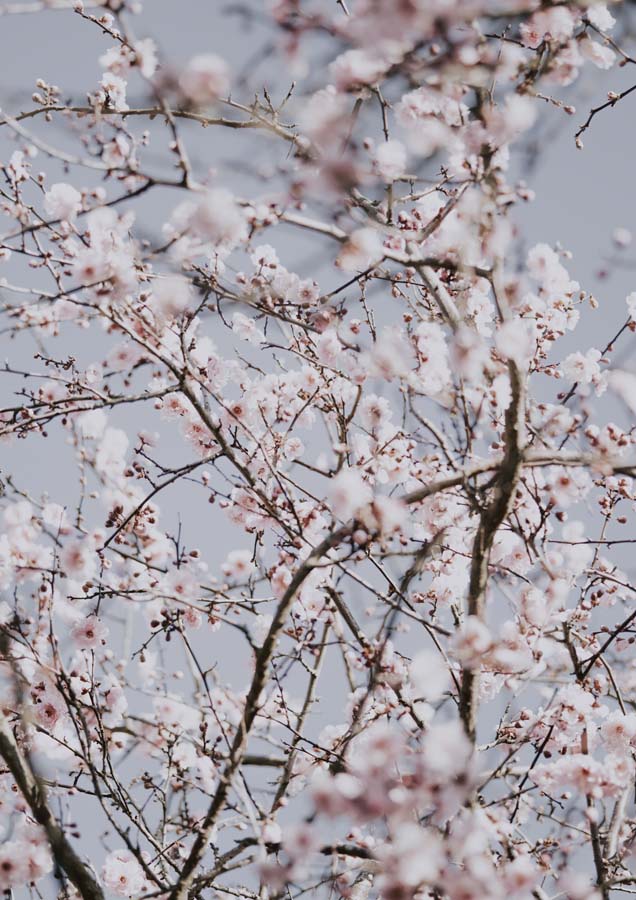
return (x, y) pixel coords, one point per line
(363, 248)
(146, 56)
(446, 751)
(473, 640)
(49, 709)
(77, 559)
(584, 774)
(389, 160)
(172, 295)
(619, 731)
(413, 857)
(349, 493)
(600, 16)
(62, 201)
(113, 92)
(205, 79)
(14, 870)
(429, 675)
(123, 875)
(355, 68)
(246, 329)
(515, 341)
(553, 24)
(622, 237)
(89, 633)
(582, 367)
(217, 218)
(239, 565)
(601, 56)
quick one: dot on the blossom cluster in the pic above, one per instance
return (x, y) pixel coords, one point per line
(383, 647)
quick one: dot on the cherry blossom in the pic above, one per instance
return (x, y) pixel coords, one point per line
(321, 585)
(205, 79)
(62, 201)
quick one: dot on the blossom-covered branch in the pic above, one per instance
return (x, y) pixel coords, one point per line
(321, 584)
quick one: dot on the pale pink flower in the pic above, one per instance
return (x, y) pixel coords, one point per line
(245, 328)
(55, 517)
(113, 92)
(238, 565)
(324, 113)
(37, 855)
(582, 367)
(92, 424)
(363, 248)
(603, 57)
(429, 675)
(264, 256)
(433, 373)
(293, 448)
(181, 584)
(110, 455)
(385, 515)
(329, 347)
(619, 732)
(19, 167)
(469, 353)
(622, 237)
(91, 266)
(389, 160)
(89, 633)
(260, 627)
(520, 876)
(600, 16)
(584, 774)
(205, 79)
(472, 641)
(375, 412)
(146, 57)
(123, 875)
(515, 341)
(62, 201)
(446, 750)
(535, 607)
(413, 856)
(355, 68)
(553, 24)
(116, 153)
(566, 64)
(218, 218)
(78, 559)
(49, 710)
(171, 295)
(271, 832)
(14, 869)
(348, 493)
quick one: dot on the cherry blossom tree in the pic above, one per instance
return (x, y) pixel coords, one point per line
(390, 656)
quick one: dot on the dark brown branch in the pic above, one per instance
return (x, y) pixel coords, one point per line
(31, 788)
(491, 518)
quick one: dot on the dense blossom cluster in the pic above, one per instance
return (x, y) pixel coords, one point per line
(391, 653)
